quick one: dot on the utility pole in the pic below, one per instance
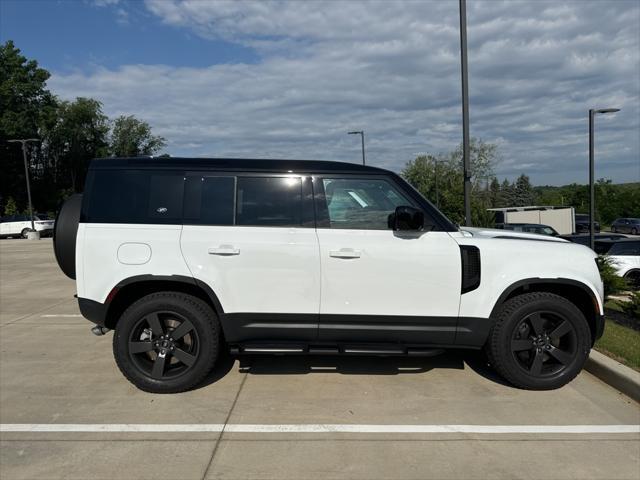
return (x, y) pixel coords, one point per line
(592, 191)
(465, 113)
(24, 142)
(361, 133)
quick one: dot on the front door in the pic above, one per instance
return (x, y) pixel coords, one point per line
(379, 285)
(251, 240)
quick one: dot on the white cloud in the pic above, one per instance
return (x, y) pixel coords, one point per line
(392, 69)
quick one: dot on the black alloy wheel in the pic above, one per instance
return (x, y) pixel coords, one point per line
(538, 341)
(167, 342)
(544, 343)
(163, 345)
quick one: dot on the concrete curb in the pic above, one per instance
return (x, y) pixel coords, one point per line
(615, 374)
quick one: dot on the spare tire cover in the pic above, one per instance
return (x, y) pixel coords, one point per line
(64, 234)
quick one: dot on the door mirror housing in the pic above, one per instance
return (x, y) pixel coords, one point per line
(406, 218)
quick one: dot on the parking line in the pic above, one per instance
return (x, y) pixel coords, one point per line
(314, 428)
(54, 315)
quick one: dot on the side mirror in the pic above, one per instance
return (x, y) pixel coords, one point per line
(406, 218)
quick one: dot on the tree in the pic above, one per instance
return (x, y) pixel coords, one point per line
(24, 105)
(447, 167)
(79, 134)
(132, 137)
(10, 207)
(522, 192)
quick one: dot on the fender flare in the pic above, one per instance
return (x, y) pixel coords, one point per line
(537, 281)
(171, 278)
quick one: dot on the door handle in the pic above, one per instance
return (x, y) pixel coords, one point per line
(345, 253)
(224, 250)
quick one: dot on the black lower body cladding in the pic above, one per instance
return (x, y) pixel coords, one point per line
(64, 234)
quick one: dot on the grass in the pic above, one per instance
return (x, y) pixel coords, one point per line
(620, 343)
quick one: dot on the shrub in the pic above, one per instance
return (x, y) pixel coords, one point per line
(632, 307)
(613, 283)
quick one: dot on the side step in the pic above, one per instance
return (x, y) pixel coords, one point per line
(351, 349)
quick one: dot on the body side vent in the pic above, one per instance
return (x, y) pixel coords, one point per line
(470, 257)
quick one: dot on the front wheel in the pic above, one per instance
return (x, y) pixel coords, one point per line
(614, 230)
(167, 342)
(634, 231)
(539, 341)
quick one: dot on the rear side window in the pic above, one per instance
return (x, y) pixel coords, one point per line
(134, 196)
(209, 200)
(269, 201)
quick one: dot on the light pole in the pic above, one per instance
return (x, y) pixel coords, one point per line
(24, 142)
(361, 133)
(592, 193)
(466, 168)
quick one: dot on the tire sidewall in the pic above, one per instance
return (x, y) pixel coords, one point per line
(191, 308)
(562, 308)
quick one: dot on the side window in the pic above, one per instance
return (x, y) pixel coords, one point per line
(359, 203)
(625, 248)
(209, 200)
(269, 201)
(134, 196)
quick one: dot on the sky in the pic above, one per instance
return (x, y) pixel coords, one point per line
(290, 79)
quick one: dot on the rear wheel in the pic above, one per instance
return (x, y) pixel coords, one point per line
(167, 342)
(634, 231)
(614, 230)
(539, 341)
(25, 232)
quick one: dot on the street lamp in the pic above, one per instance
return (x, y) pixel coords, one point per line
(464, 72)
(24, 142)
(361, 133)
(592, 204)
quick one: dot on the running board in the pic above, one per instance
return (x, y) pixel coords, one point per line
(347, 349)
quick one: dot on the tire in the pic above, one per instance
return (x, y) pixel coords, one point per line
(65, 230)
(24, 232)
(539, 341)
(153, 366)
(614, 230)
(633, 278)
(634, 231)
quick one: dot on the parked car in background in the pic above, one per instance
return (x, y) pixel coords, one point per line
(529, 228)
(19, 225)
(625, 254)
(602, 240)
(626, 225)
(582, 223)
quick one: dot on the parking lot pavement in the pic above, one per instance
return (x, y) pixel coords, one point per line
(280, 417)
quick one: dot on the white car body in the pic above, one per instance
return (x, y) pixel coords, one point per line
(14, 225)
(299, 256)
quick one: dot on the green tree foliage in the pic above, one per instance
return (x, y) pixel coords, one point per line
(131, 137)
(612, 201)
(25, 104)
(523, 195)
(10, 208)
(613, 283)
(71, 133)
(446, 168)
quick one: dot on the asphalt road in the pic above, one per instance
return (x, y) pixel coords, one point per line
(281, 417)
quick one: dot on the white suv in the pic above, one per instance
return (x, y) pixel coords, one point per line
(184, 257)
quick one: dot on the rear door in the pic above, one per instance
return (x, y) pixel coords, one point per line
(377, 284)
(251, 239)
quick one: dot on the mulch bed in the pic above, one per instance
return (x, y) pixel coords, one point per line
(623, 319)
